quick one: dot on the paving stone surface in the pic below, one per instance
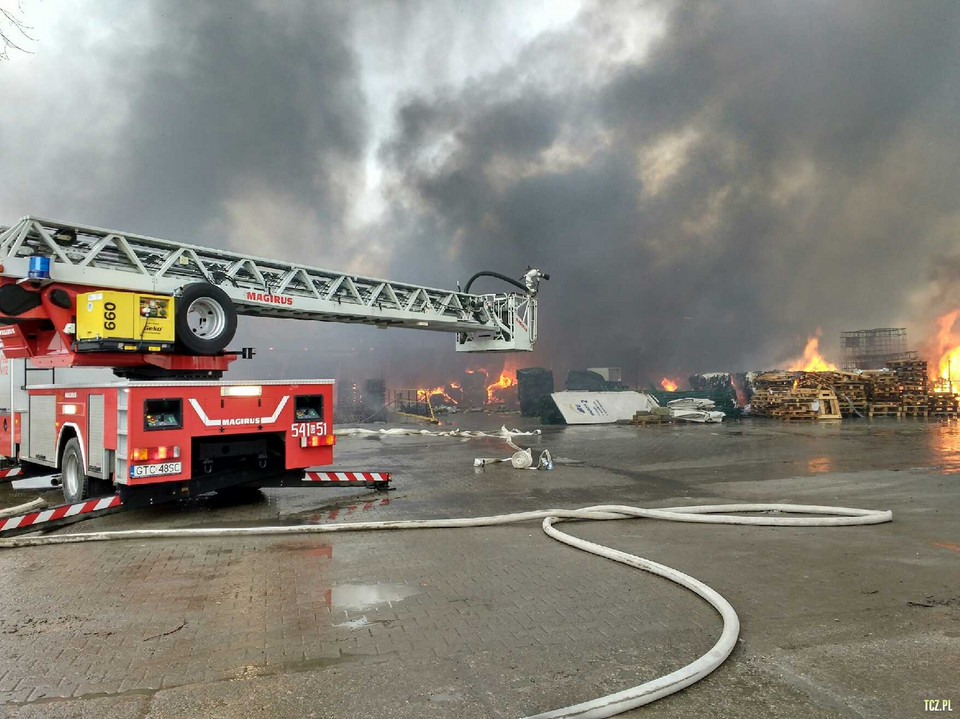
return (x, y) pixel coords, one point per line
(503, 621)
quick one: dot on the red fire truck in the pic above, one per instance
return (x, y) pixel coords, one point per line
(161, 315)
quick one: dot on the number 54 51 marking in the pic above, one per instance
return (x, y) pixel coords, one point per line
(308, 429)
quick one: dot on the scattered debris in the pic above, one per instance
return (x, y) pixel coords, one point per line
(521, 458)
(462, 433)
(691, 409)
(930, 601)
(164, 634)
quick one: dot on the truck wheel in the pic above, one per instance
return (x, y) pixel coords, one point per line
(73, 475)
(205, 320)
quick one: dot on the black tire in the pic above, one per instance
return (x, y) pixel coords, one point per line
(214, 319)
(73, 475)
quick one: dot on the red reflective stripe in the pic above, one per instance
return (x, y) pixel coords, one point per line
(60, 512)
(347, 476)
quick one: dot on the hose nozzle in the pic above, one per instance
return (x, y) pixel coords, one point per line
(531, 279)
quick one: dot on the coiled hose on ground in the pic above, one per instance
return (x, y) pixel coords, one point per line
(610, 704)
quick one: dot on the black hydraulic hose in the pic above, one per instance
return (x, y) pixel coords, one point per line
(488, 273)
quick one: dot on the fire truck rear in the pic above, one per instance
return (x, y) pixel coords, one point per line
(173, 439)
(160, 315)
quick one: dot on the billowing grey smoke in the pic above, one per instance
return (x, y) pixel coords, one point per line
(766, 169)
(707, 182)
(240, 126)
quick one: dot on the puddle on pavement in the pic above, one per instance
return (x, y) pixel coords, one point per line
(364, 596)
(945, 446)
(358, 623)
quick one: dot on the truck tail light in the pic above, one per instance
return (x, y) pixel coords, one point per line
(145, 454)
(318, 441)
(242, 390)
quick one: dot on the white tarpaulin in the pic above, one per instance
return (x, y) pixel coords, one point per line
(601, 407)
(690, 409)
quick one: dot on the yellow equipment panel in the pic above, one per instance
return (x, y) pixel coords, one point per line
(124, 321)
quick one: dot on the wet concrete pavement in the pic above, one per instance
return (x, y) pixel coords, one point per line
(838, 622)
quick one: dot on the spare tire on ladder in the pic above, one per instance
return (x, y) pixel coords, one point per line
(205, 319)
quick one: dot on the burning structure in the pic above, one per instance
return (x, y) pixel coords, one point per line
(475, 390)
(874, 349)
(361, 403)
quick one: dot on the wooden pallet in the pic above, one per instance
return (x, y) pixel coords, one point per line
(645, 419)
(908, 411)
(807, 403)
(883, 409)
(943, 404)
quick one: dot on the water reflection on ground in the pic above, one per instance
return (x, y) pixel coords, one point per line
(820, 465)
(363, 596)
(945, 446)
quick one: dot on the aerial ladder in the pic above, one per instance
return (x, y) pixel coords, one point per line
(162, 315)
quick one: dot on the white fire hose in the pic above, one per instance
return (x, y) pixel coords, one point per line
(38, 503)
(521, 458)
(610, 704)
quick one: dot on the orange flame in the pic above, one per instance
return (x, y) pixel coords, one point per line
(948, 348)
(502, 383)
(507, 379)
(812, 360)
(437, 393)
(668, 384)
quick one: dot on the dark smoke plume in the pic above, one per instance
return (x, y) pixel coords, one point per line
(707, 182)
(767, 169)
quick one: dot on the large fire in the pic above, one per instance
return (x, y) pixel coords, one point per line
(475, 389)
(812, 360)
(668, 384)
(947, 369)
(508, 378)
(441, 395)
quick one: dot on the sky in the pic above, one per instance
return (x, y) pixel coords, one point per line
(708, 183)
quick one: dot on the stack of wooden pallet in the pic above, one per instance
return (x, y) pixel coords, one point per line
(768, 391)
(815, 380)
(805, 403)
(658, 415)
(883, 393)
(943, 404)
(851, 390)
(914, 390)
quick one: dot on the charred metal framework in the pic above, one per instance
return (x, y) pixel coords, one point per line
(267, 288)
(873, 349)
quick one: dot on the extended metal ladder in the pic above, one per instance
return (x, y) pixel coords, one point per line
(269, 288)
